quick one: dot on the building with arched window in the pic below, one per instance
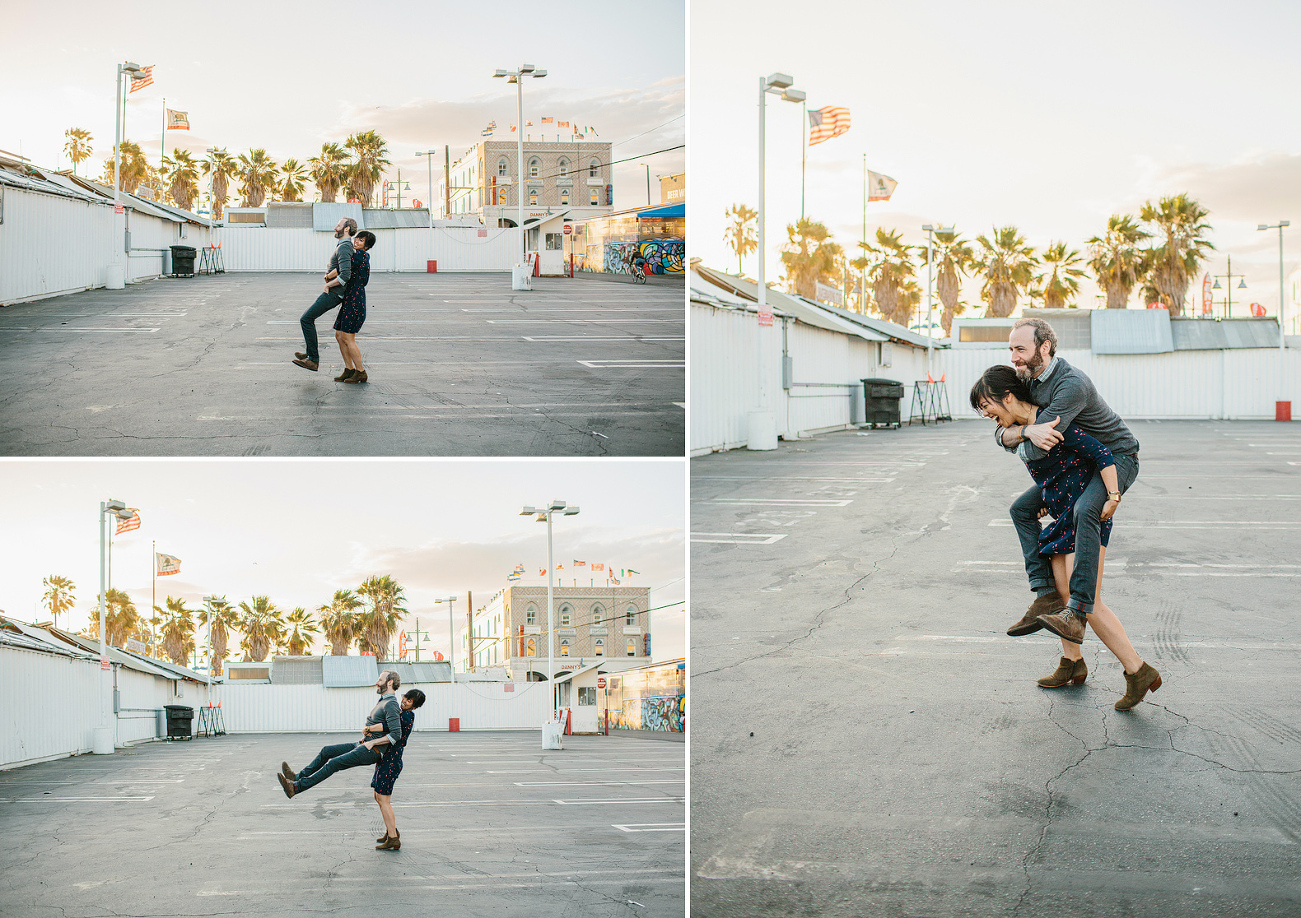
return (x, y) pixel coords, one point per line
(592, 624)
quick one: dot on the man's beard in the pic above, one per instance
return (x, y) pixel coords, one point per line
(1027, 370)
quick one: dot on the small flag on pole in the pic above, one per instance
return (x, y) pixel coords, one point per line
(598, 567)
(548, 120)
(543, 572)
(560, 567)
(879, 187)
(563, 124)
(826, 123)
(147, 80)
(166, 564)
(580, 564)
(614, 578)
(512, 129)
(128, 525)
(631, 571)
(178, 121)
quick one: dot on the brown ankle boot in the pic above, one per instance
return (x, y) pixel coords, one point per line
(1067, 671)
(1067, 624)
(383, 838)
(345, 375)
(358, 376)
(1045, 604)
(1137, 685)
(393, 843)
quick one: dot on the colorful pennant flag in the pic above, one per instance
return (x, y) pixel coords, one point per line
(614, 578)
(178, 121)
(166, 564)
(142, 83)
(512, 129)
(879, 187)
(128, 525)
(598, 567)
(826, 123)
(548, 120)
(543, 572)
(580, 564)
(560, 567)
(563, 124)
(631, 571)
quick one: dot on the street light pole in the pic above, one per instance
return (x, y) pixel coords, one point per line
(930, 266)
(544, 514)
(104, 734)
(451, 637)
(429, 161)
(763, 422)
(517, 77)
(1282, 344)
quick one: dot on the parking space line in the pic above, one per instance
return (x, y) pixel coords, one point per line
(59, 798)
(652, 827)
(740, 538)
(806, 502)
(589, 783)
(628, 337)
(609, 800)
(634, 364)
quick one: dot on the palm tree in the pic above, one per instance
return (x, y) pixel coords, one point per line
(302, 626)
(1179, 222)
(78, 148)
(809, 257)
(178, 631)
(263, 628)
(329, 171)
(741, 235)
(223, 618)
(182, 172)
(1061, 285)
(889, 271)
(863, 298)
(135, 168)
(339, 621)
(378, 623)
(955, 259)
(293, 178)
(258, 173)
(369, 150)
(1008, 265)
(121, 620)
(222, 167)
(1117, 259)
(60, 593)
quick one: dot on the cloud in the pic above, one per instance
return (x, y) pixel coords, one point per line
(1248, 191)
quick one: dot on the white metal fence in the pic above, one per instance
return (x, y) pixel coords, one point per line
(455, 248)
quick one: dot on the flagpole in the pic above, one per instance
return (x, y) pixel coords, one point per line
(162, 152)
(862, 275)
(153, 592)
(804, 161)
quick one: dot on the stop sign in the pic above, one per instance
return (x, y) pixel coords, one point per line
(568, 229)
(600, 683)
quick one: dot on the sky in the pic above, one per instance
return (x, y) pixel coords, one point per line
(298, 530)
(1048, 117)
(288, 77)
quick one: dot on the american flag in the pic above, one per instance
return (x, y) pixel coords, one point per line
(548, 120)
(128, 525)
(580, 564)
(147, 80)
(826, 123)
(166, 564)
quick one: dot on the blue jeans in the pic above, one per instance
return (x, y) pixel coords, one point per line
(1088, 535)
(324, 303)
(331, 759)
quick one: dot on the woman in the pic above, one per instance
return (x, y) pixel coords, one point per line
(1062, 475)
(389, 767)
(352, 313)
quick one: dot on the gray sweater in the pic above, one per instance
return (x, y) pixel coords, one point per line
(1064, 392)
(341, 260)
(387, 712)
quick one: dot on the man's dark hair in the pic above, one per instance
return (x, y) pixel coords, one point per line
(367, 238)
(995, 384)
(393, 679)
(417, 698)
(1042, 332)
(351, 224)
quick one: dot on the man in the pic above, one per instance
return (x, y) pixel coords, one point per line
(1067, 397)
(338, 272)
(330, 759)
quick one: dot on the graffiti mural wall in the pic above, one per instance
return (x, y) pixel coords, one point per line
(662, 256)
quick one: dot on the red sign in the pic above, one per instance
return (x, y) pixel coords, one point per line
(600, 682)
(117, 208)
(1206, 294)
(765, 315)
(1257, 309)
(104, 664)
(416, 203)
(568, 229)
(438, 655)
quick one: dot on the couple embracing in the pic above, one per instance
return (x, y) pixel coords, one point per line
(1083, 458)
(346, 277)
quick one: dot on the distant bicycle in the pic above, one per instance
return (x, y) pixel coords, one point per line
(638, 272)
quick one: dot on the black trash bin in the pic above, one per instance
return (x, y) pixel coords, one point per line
(179, 718)
(183, 260)
(881, 398)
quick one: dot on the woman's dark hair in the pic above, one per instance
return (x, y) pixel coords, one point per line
(417, 698)
(367, 238)
(995, 384)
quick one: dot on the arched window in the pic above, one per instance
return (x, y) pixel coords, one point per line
(630, 615)
(533, 196)
(564, 647)
(595, 198)
(563, 167)
(531, 647)
(594, 168)
(566, 615)
(564, 196)
(531, 615)
(599, 647)
(535, 167)
(632, 648)
(598, 613)
(502, 166)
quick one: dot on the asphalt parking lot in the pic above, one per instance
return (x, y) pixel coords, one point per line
(459, 365)
(869, 741)
(490, 825)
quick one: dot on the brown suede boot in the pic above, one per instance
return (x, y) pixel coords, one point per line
(345, 375)
(1044, 604)
(358, 376)
(1066, 624)
(1067, 671)
(1139, 684)
(392, 843)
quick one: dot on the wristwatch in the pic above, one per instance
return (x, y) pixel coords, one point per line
(1114, 495)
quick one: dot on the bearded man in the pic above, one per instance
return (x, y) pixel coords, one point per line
(1065, 396)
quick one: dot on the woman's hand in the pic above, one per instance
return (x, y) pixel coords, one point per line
(1043, 511)
(1108, 509)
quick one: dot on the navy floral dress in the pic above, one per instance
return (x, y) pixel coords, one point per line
(389, 767)
(1062, 476)
(352, 314)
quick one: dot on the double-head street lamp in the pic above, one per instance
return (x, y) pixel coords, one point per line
(1279, 226)
(104, 734)
(517, 77)
(429, 161)
(544, 515)
(930, 261)
(451, 637)
(137, 74)
(762, 432)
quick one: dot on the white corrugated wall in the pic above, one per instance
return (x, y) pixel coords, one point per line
(1239, 384)
(260, 248)
(49, 706)
(51, 245)
(264, 708)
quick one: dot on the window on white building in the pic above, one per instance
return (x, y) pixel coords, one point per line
(502, 166)
(564, 647)
(533, 196)
(535, 167)
(595, 198)
(566, 615)
(599, 648)
(564, 196)
(531, 647)
(531, 615)
(563, 167)
(594, 169)
(630, 615)
(632, 648)
(598, 614)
